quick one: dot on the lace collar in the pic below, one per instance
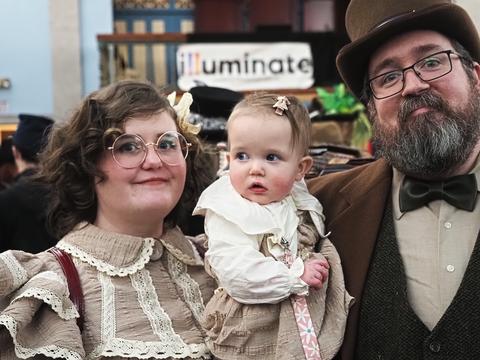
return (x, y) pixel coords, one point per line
(121, 255)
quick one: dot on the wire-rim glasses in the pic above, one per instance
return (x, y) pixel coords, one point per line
(130, 151)
(429, 68)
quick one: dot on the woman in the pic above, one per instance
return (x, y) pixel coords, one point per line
(120, 174)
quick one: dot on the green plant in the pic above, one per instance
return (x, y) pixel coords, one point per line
(362, 131)
(339, 101)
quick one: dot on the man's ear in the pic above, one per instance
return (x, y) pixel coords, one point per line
(304, 165)
(476, 73)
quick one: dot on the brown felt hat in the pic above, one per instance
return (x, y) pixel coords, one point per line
(371, 23)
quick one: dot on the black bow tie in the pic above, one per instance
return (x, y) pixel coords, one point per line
(459, 191)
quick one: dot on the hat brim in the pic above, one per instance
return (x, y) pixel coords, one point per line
(449, 20)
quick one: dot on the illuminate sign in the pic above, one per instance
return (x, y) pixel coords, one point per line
(245, 66)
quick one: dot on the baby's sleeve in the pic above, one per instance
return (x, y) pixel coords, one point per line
(243, 271)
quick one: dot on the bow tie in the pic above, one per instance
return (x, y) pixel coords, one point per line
(459, 191)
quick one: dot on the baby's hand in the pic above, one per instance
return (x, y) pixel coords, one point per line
(315, 272)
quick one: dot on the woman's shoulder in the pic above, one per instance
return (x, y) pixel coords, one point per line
(19, 267)
(35, 306)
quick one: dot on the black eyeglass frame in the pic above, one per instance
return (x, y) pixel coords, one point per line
(448, 52)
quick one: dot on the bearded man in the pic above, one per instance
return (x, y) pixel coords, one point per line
(407, 225)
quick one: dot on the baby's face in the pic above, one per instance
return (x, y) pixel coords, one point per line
(263, 165)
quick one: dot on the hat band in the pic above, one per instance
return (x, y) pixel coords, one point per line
(403, 14)
(393, 18)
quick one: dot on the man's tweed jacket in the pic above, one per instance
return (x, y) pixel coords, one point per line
(354, 202)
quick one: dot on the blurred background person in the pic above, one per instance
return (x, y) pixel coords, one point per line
(23, 204)
(8, 169)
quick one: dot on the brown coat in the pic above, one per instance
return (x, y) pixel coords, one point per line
(353, 203)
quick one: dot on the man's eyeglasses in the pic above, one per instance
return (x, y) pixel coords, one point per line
(428, 68)
(130, 151)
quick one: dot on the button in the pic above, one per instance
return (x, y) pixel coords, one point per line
(434, 346)
(450, 268)
(447, 225)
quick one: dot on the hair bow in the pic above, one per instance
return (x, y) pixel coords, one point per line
(182, 108)
(281, 105)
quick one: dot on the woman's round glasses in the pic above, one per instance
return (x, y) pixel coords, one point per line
(130, 151)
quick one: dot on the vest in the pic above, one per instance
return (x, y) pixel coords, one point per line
(389, 328)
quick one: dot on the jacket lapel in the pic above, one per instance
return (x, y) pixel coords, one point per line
(354, 229)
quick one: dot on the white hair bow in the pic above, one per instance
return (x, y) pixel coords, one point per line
(182, 108)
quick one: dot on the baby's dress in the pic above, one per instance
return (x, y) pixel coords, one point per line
(144, 298)
(254, 318)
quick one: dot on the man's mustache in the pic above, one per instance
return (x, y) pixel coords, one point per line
(413, 102)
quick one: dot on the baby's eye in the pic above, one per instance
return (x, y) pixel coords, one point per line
(241, 156)
(272, 157)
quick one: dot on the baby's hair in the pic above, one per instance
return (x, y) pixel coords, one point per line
(296, 114)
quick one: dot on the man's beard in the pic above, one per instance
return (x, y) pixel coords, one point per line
(433, 144)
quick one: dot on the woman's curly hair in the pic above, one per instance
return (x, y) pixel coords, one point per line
(69, 161)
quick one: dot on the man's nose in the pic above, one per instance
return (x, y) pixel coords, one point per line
(413, 84)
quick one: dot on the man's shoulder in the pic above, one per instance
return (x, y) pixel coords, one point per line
(367, 173)
(24, 195)
(8, 193)
(19, 188)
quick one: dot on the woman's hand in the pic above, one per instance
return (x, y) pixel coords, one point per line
(316, 272)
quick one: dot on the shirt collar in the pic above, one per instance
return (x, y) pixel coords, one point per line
(476, 171)
(397, 180)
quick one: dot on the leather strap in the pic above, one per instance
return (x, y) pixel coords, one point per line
(73, 281)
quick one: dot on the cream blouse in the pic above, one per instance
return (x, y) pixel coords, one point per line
(143, 299)
(236, 229)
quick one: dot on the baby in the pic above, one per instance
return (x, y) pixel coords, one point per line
(277, 299)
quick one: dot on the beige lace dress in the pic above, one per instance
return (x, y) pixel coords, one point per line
(143, 299)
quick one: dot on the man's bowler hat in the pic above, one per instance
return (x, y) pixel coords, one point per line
(371, 23)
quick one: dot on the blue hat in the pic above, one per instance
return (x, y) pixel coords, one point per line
(31, 135)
